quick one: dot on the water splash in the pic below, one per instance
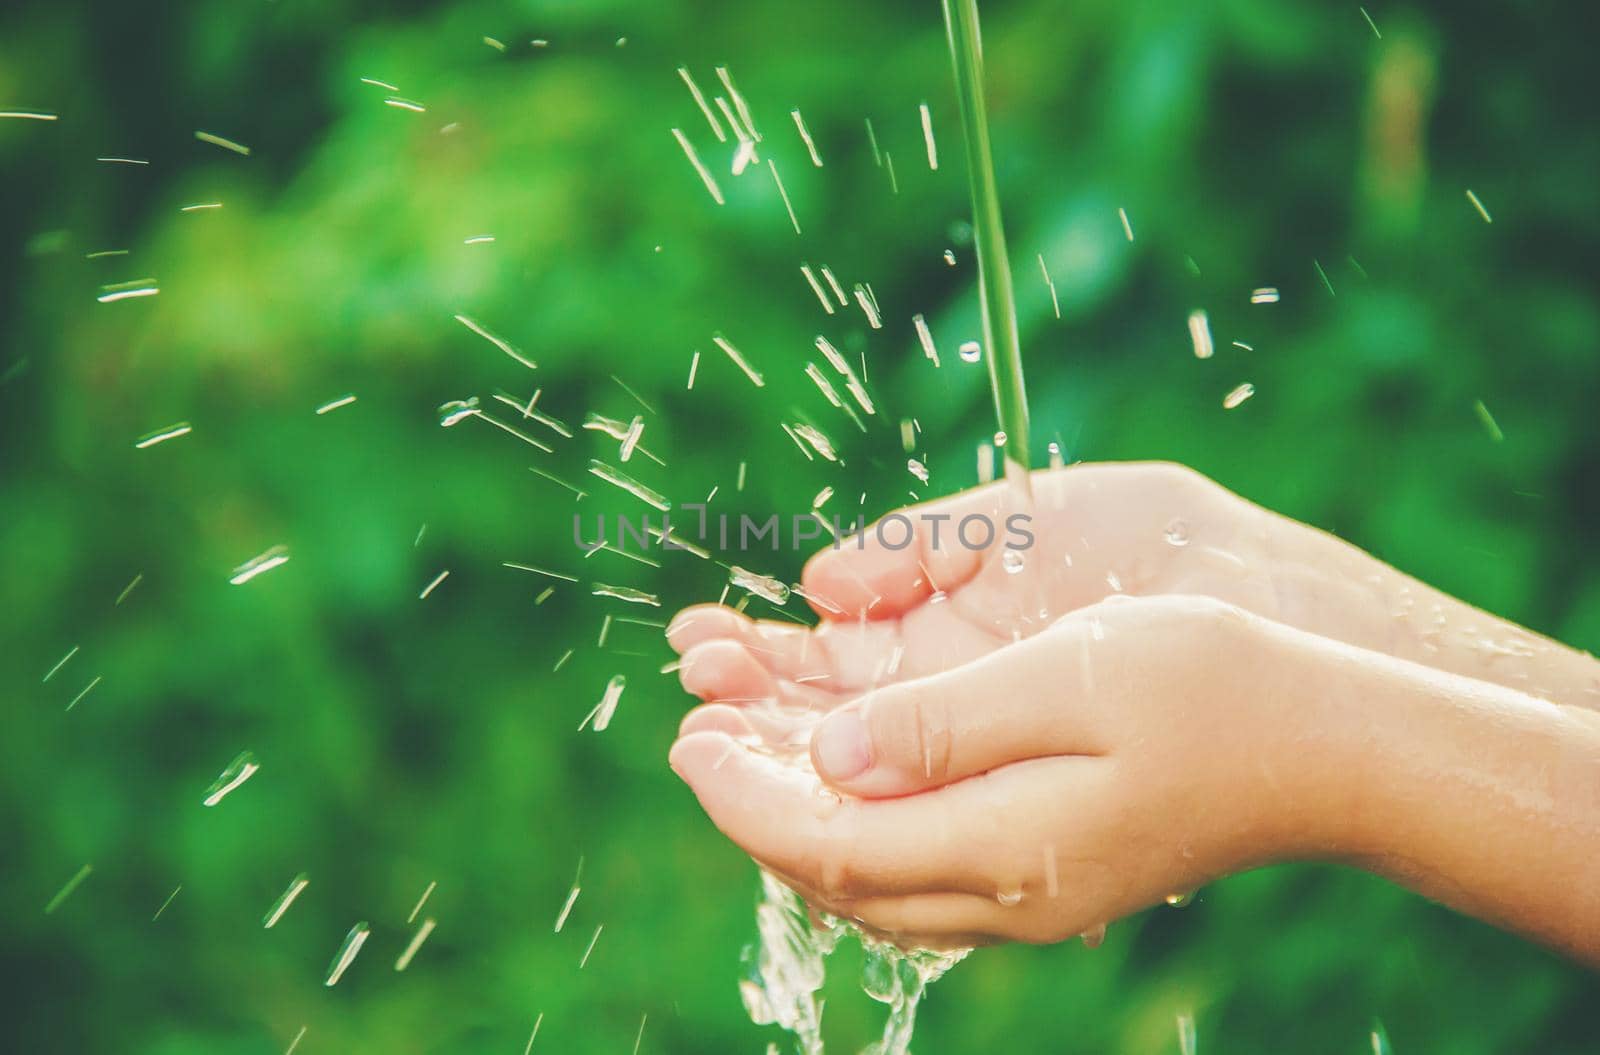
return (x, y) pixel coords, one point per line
(899, 977)
(785, 969)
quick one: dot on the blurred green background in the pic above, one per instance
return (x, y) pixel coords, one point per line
(406, 741)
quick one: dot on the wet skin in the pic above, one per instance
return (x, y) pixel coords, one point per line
(1171, 686)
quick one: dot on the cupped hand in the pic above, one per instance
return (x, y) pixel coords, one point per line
(891, 611)
(953, 580)
(1136, 749)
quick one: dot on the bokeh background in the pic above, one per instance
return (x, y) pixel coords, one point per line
(405, 742)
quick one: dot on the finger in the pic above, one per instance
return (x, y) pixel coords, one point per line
(842, 849)
(804, 703)
(765, 722)
(1024, 701)
(720, 718)
(710, 622)
(842, 657)
(888, 910)
(725, 670)
(906, 557)
(937, 921)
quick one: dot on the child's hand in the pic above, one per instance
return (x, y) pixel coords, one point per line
(1135, 750)
(891, 614)
(1015, 753)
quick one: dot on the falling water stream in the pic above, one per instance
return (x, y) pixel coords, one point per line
(785, 969)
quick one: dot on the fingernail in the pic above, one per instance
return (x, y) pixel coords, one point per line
(841, 746)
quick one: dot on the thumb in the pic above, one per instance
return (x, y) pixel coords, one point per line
(1008, 706)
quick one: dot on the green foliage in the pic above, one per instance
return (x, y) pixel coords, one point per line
(406, 741)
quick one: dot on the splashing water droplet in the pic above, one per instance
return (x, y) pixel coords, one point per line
(877, 976)
(917, 469)
(607, 707)
(763, 586)
(970, 351)
(347, 952)
(1012, 561)
(1238, 396)
(280, 906)
(457, 410)
(275, 557)
(626, 593)
(241, 769)
(1056, 458)
(1186, 1037)
(1177, 533)
(1200, 335)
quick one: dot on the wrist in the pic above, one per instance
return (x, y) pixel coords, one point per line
(1318, 762)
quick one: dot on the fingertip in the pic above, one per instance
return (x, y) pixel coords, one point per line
(702, 622)
(851, 583)
(716, 718)
(818, 583)
(693, 757)
(724, 669)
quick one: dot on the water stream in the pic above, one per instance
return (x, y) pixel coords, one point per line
(785, 969)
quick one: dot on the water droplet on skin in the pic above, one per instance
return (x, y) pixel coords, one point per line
(1094, 937)
(1183, 900)
(1113, 582)
(1009, 898)
(1012, 561)
(938, 597)
(1178, 533)
(1056, 460)
(971, 351)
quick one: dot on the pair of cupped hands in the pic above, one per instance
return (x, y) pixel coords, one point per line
(969, 748)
